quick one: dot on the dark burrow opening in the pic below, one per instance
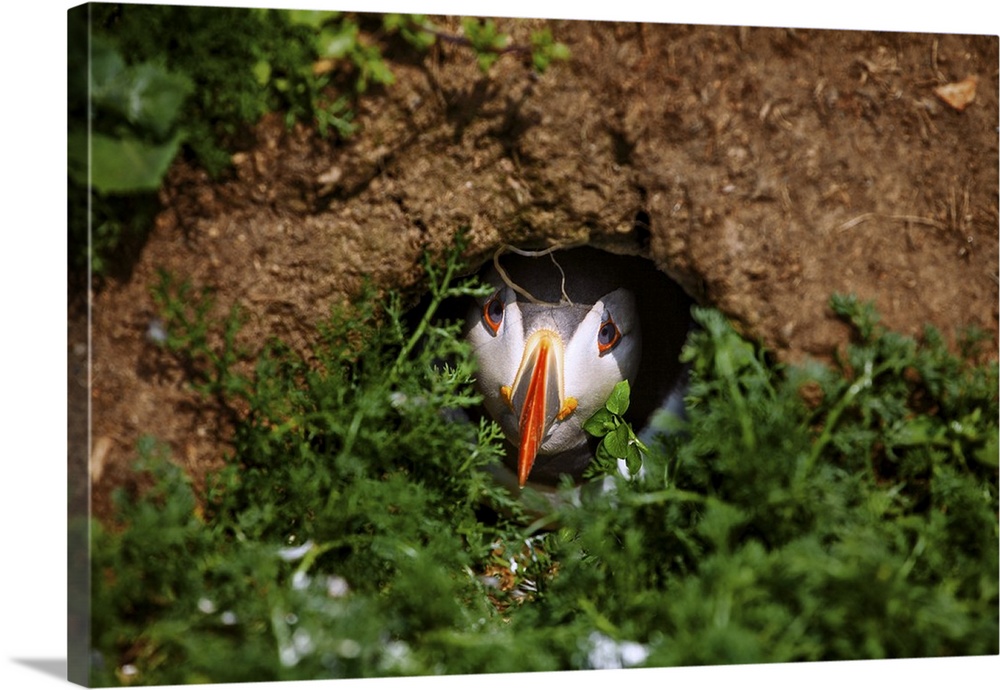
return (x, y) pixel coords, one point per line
(585, 275)
(576, 279)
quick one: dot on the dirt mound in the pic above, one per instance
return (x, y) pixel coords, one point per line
(762, 169)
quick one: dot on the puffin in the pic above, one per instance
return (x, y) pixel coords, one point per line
(557, 330)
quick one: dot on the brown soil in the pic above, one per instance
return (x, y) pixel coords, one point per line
(767, 169)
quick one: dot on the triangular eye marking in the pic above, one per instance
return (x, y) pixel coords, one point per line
(493, 313)
(608, 335)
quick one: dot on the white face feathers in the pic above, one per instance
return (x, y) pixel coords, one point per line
(545, 368)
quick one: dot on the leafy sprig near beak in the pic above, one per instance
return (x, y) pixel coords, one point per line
(618, 439)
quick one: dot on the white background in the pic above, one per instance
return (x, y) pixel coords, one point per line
(33, 384)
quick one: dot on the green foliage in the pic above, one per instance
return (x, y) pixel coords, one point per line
(415, 29)
(131, 134)
(148, 81)
(336, 43)
(162, 76)
(244, 62)
(792, 520)
(618, 440)
(803, 513)
(490, 44)
(545, 50)
(485, 40)
(341, 40)
(209, 360)
(304, 552)
(123, 133)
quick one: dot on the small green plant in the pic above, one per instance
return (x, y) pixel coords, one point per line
(481, 36)
(490, 44)
(618, 439)
(485, 40)
(209, 360)
(415, 29)
(545, 50)
(336, 43)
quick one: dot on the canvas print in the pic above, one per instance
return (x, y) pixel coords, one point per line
(414, 345)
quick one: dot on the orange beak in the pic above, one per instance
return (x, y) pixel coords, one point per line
(537, 396)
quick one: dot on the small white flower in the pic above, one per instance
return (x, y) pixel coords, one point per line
(288, 656)
(632, 653)
(294, 553)
(349, 649)
(606, 653)
(156, 333)
(396, 657)
(302, 642)
(336, 586)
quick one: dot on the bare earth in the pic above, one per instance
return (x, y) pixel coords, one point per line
(767, 168)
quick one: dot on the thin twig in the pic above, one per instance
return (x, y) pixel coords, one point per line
(865, 217)
(532, 254)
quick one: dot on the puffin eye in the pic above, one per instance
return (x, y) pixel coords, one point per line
(608, 336)
(493, 313)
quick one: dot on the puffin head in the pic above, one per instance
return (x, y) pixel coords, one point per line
(544, 367)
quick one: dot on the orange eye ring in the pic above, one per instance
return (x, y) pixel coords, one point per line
(608, 336)
(493, 313)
